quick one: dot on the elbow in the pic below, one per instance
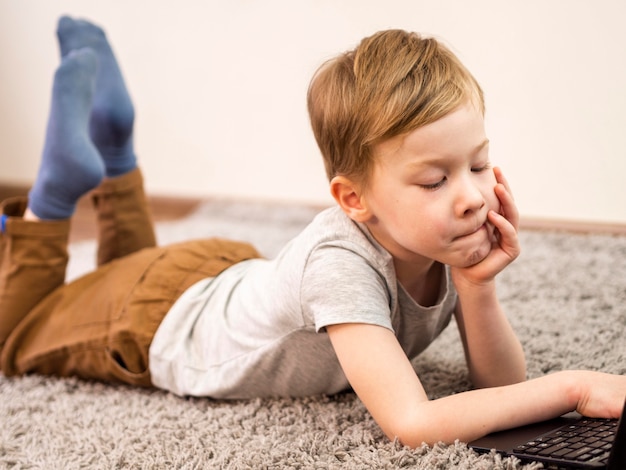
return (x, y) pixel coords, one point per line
(418, 428)
(414, 438)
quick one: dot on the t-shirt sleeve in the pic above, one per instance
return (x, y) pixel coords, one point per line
(340, 285)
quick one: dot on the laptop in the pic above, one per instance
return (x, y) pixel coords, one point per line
(570, 441)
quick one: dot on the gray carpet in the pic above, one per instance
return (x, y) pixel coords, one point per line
(566, 297)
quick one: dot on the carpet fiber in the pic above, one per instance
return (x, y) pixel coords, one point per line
(565, 295)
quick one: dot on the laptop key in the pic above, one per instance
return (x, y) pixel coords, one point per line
(577, 453)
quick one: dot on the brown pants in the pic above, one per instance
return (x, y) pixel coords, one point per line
(101, 325)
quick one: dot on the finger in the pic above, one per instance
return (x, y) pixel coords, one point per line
(508, 239)
(508, 206)
(497, 171)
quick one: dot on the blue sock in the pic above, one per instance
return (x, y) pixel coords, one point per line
(112, 113)
(70, 164)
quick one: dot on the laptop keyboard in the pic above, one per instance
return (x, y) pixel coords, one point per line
(586, 440)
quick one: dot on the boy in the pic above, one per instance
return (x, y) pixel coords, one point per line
(422, 226)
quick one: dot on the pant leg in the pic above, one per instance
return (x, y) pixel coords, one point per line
(124, 220)
(101, 325)
(33, 260)
(33, 255)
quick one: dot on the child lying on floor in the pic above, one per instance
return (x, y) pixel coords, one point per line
(422, 225)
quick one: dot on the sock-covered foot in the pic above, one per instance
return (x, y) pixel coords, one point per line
(112, 114)
(70, 164)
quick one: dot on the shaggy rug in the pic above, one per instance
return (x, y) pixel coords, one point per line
(565, 295)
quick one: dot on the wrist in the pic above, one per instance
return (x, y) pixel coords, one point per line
(482, 289)
(570, 384)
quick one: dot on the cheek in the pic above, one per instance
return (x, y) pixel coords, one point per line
(435, 222)
(493, 202)
(491, 199)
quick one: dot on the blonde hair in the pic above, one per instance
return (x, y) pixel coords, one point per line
(391, 84)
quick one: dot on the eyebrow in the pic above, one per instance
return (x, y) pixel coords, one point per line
(431, 161)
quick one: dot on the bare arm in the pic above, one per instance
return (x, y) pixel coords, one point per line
(493, 352)
(385, 381)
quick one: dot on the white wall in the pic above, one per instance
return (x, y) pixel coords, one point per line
(220, 89)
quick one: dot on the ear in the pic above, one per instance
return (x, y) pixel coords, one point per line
(349, 196)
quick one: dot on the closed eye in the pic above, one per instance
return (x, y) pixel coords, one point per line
(480, 169)
(433, 186)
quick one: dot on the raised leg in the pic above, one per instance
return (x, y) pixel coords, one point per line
(125, 223)
(101, 325)
(33, 254)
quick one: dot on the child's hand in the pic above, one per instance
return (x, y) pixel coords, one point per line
(505, 247)
(600, 395)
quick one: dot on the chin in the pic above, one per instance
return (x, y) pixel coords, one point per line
(478, 255)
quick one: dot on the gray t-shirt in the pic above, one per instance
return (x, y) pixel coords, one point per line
(258, 329)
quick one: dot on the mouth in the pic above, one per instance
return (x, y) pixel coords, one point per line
(472, 232)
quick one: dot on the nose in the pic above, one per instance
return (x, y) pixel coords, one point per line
(469, 199)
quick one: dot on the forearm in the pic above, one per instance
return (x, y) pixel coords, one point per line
(493, 352)
(384, 379)
(469, 415)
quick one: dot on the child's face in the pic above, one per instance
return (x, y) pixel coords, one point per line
(430, 192)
